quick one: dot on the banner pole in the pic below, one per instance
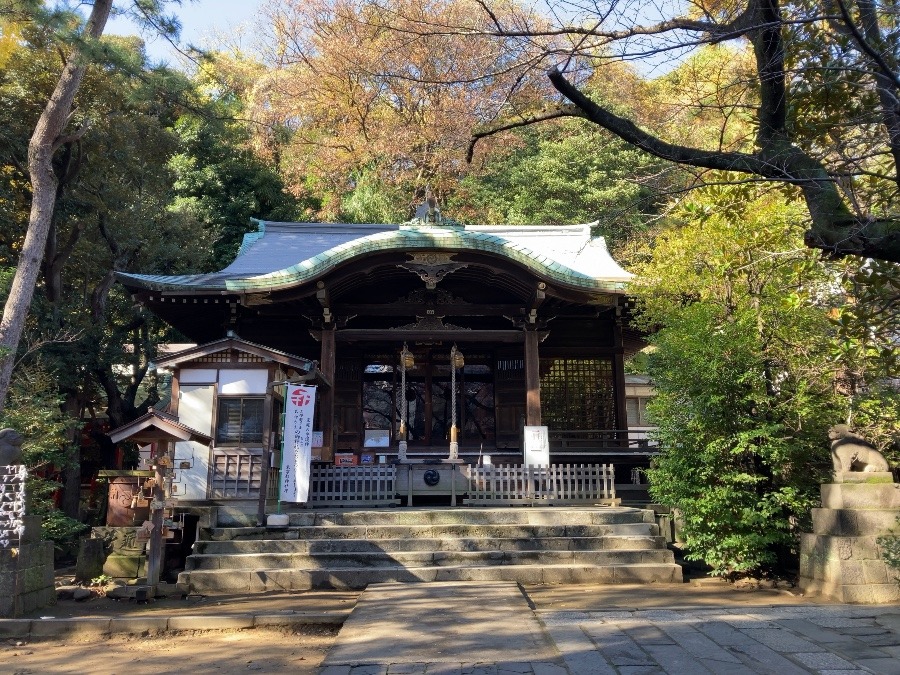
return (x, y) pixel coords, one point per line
(280, 468)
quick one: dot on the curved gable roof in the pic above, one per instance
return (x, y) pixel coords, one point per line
(281, 255)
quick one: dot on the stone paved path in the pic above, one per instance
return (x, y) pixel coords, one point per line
(778, 640)
(485, 629)
(442, 628)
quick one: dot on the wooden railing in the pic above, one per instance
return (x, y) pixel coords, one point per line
(607, 441)
(373, 485)
(546, 485)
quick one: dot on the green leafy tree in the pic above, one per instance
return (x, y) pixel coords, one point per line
(109, 214)
(745, 390)
(563, 174)
(220, 182)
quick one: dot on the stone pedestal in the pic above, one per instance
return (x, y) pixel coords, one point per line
(26, 572)
(841, 558)
(125, 553)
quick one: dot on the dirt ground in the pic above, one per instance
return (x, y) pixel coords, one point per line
(195, 652)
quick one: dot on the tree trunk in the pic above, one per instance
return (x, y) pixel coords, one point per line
(44, 142)
(71, 500)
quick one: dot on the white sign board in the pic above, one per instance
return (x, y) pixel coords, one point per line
(537, 446)
(299, 406)
(12, 504)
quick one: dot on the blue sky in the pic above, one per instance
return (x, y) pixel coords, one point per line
(199, 19)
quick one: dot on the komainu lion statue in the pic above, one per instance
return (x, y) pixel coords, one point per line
(850, 452)
(10, 447)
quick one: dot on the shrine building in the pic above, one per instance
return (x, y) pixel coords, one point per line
(528, 322)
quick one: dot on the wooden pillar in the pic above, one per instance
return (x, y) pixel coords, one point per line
(532, 379)
(156, 549)
(268, 450)
(326, 396)
(619, 375)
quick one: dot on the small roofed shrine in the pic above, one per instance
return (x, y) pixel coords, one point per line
(427, 339)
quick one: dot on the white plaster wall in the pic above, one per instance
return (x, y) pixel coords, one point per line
(243, 381)
(195, 409)
(196, 375)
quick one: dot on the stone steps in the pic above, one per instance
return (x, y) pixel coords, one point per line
(470, 516)
(366, 559)
(351, 549)
(263, 580)
(500, 531)
(412, 544)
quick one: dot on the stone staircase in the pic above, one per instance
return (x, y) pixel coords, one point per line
(349, 549)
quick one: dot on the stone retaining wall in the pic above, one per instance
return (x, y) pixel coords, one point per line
(26, 572)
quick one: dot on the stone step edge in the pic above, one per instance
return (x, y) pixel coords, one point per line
(324, 556)
(656, 539)
(229, 582)
(247, 533)
(97, 626)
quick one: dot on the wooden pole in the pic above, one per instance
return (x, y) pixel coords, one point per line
(326, 395)
(268, 440)
(619, 377)
(157, 509)
(532, 379)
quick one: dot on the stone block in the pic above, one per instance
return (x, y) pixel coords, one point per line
(861, 495)
(870, 594)
(301, 618)
(120, 566)
(138, 624)
(34, 578)
(29, 602)
(119, 540)
(231, 622)
(641, 574)
(854, 522)
(90, 560)
(9, 559)
(13, 628)
(56, 627)
(216, 581)
(272, 580)
(32, 533)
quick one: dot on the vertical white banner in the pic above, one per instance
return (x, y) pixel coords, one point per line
(299, 405)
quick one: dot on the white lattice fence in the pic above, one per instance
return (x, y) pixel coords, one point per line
(539, 485)
(353, 485)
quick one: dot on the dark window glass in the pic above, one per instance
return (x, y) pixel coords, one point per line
(378, 404)
(240, 421)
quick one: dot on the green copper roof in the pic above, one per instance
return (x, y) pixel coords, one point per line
(568, 255)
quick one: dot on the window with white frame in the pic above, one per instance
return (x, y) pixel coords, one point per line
(636, 410)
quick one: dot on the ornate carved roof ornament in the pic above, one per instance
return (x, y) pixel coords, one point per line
(431, 323)
(432, 267)
(421, 296)
(429, 213)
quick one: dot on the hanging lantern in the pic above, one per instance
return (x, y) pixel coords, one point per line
(456, 358)
(407, 360)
